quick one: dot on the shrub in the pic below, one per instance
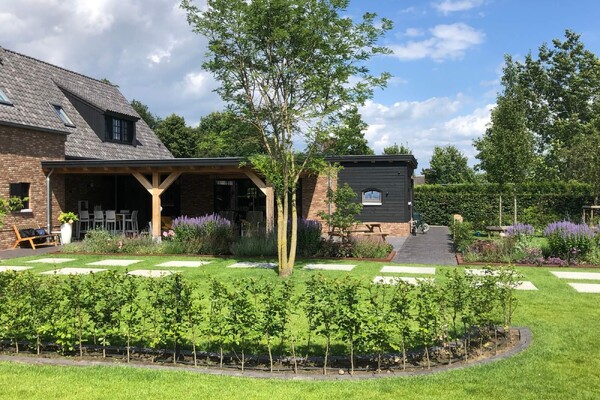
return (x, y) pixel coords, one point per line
(101, 241)
(568, 240)
(309, 237)
(462, 233)
(255, 246)
(370, 248)
(209, 234)
(491, 250)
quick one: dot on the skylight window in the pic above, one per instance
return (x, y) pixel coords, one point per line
(63, 115)
(4, 99)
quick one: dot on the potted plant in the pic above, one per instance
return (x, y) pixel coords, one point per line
(66, 220)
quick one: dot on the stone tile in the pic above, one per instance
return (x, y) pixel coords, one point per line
(481, 272)
(393, 280)
(185, 264)
(252, 265)
(586, 287)
(5, 268)
(329, 267)
(150, 273)
(577, 275)
(408, 270)
(115, 262)
(73, 271)
(52, 260)
(526, 285)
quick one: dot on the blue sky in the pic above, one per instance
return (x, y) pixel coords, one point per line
(446, 65)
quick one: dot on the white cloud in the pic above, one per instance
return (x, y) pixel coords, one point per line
(413, 32)
(446, 42)
(449, 6)
(422, 125)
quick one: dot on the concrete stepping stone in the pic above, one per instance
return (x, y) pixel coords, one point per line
(586, 287)
(5, 268)
(330, 267)
(150, 273)
(408, 270)
(252, 265)
(115, 262)
(73, 271)
(525, 285)
(393, 280)
(53, 260)
(185, 264)
(577, 275)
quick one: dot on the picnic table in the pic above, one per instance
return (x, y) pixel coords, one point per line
(496, 229)
(370, 229)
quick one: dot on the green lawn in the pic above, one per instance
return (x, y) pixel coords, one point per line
(562, 362)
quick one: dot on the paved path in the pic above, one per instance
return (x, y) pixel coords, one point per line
(433, 247)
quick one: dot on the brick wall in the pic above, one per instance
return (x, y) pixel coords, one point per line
(314, 196)
(21, 153)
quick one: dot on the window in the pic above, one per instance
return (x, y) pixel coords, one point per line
(119, 130)
(63, 115)
(372, 197)
(20, 190)
(4, 99)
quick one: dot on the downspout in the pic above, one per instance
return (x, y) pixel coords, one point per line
(49, 202)
(329, 200)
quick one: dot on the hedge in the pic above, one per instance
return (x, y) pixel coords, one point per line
(537, 203)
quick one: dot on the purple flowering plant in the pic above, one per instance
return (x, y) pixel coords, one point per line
(568, 240)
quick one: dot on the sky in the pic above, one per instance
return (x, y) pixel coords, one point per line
(446, 63)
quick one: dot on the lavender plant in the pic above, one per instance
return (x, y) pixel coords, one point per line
(209, 234)
(569, 241)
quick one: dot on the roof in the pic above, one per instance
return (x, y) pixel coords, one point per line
(33, 86)
(194, 164)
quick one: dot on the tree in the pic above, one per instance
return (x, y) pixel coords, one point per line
(347, 135)
(151, 120)
(506, 150)
(448, 165)
(177, 136)
(224, 134)
(287, 66)
(561, 89)
(395, 149)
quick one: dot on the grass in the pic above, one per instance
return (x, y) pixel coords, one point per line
(562, 361)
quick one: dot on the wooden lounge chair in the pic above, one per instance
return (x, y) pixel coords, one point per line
(51, 239)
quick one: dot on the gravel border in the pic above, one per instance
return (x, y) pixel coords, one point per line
(524, 342)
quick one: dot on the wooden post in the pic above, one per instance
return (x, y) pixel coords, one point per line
(270, 199)
(156, 189)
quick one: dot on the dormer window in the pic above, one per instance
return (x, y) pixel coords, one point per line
(372, 197)
(63, 115)
(119, 130)
(4, 99)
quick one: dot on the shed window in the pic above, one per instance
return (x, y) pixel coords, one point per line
(20, 190)
(4, 99)
(372, 197)
(63, 115)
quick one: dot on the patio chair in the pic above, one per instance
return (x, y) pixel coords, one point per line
(131, 223)
(83, 224)
(110, 222)
(98, 219)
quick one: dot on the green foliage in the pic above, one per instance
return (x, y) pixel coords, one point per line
(367, 247)
(177, 136)
(506, 150)
(255, 246)
(448, 165)
(395, 149)
(224, 134)
(8, 205)
(152, 120)
(462, 234)
(347, 135)
(209, 234)
(343, 218)
(478, 204)
(310, 238)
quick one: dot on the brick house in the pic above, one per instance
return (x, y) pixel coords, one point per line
(66, 139)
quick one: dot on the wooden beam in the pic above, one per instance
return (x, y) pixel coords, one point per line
(156, 192)
(142, 179)
(169, 180)
(270, 199)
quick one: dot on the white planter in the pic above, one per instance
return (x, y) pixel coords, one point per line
(66, 231)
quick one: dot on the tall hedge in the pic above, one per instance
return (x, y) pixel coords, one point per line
(537, 203)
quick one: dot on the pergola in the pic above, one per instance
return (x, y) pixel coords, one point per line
(149, 174)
